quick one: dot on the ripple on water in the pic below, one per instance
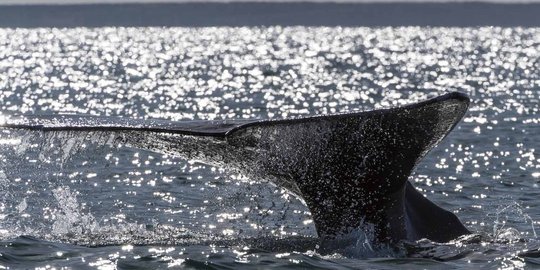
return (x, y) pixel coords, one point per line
(486, 171)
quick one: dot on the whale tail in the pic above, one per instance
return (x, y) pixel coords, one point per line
(348, 168)
(353, 168)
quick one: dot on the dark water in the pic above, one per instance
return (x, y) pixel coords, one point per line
(104, 207)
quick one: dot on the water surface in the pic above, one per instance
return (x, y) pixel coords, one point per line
(104, 206)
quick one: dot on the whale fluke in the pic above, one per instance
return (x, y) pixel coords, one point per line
(350, 169)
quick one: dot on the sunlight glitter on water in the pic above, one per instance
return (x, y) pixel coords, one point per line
(486, 171)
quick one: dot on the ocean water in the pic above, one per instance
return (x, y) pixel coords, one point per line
(105, 206)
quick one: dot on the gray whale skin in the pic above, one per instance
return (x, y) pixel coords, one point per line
(350, 169)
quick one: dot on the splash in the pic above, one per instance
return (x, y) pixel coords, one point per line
(69, 218)
(360, 243)
(506, 216)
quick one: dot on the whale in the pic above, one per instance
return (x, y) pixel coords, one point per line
(350, 169)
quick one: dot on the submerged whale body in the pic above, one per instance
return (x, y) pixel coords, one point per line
(350, 169)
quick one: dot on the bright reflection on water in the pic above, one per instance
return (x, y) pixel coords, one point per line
(144, 209)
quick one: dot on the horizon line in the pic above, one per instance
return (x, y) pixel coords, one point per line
(202, 14)
(116, 2)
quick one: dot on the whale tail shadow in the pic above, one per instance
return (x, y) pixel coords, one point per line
(350, 169)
